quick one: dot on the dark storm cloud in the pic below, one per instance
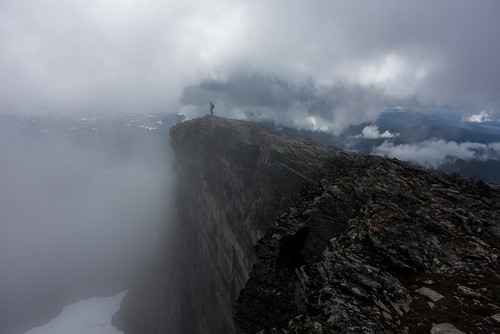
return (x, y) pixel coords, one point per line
(140, 55)
(354, 59)
(304, 105)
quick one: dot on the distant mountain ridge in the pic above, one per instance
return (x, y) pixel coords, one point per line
(411, 127)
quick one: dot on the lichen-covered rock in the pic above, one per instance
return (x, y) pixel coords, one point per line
(393, 228)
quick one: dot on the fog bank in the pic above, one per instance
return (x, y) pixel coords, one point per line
(82, 201)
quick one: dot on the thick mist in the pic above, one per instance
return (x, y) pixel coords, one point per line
(81, 203)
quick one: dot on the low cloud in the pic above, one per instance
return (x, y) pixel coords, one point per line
(81, 203)
(480, 117)
(433, 153)
(372, 132)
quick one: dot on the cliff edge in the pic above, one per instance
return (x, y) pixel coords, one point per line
(233, 180)
(278, 234)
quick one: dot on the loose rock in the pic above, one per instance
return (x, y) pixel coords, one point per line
(431, 294)
(445, 329)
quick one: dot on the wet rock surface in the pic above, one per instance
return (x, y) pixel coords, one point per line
(385, 247)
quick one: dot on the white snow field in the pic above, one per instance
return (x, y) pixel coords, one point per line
(88, 316)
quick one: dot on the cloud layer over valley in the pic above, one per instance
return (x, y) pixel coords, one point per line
(433, 152)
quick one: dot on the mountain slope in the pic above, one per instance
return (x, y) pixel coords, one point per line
(381, 248)
(363, 232)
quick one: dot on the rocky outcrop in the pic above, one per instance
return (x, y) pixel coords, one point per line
(384, 247)
(234, 179)
(344, 242)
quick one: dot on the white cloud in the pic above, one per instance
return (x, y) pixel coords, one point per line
(372, 132)
(121, 56)
(494, 147)
(389, 69)
(480, 117)
(396, 74)
(434, 152)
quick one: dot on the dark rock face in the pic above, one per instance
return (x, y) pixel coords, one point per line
(234, 179)
(384, 247)
(370, 245)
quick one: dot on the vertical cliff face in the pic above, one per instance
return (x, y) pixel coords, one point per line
(234, 179)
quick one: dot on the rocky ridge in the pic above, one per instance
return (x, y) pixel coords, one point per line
(385, 247)
(370, 244)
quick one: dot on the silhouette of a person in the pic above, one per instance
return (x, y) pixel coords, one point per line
(212, 108)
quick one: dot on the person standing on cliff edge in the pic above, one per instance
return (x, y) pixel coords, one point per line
(212, 108)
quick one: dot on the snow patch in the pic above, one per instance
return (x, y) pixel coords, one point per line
(88, 316)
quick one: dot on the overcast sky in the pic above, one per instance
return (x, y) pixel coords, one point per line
(312, 64)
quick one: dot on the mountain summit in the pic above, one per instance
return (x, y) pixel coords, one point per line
(278, 234)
